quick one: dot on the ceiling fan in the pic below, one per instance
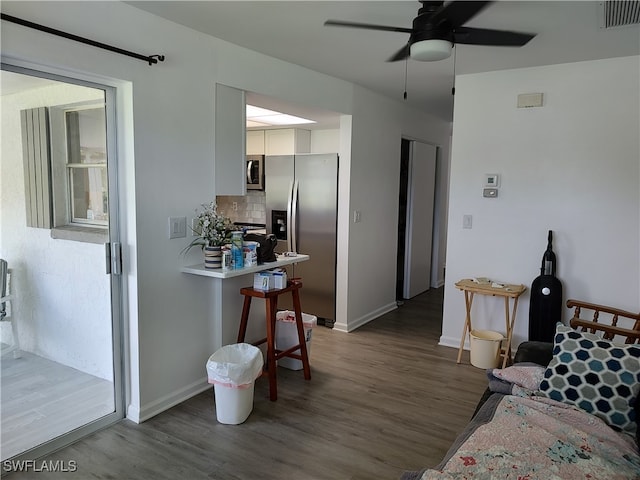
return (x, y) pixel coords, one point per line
(438, 27)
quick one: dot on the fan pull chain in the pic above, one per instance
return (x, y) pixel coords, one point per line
(406, 68)
(453, 87)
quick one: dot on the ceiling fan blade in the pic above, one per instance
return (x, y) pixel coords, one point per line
(497, 38)
(458, 13)
(368, 26)
(401, 54)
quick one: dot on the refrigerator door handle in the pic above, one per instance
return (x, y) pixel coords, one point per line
(294, 217)
(289, 217)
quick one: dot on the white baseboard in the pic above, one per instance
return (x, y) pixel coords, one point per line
(453, 342)
(357, 323)
(152, 409)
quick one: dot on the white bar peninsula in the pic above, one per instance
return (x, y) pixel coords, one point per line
(226, 302)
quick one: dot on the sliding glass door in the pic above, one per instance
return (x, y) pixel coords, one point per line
(61, 360)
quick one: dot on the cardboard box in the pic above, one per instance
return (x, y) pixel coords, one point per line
(262, 281)
(279, 279)
(270, 280)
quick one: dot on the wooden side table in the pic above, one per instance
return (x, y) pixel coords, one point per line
(470, 287)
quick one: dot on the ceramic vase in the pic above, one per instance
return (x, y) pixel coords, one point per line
(212, 257)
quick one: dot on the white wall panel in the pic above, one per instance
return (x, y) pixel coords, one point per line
(571, 166)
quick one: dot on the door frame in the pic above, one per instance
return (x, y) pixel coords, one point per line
(404, 211)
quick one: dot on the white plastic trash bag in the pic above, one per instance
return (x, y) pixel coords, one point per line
(287, 336)
(235, 365)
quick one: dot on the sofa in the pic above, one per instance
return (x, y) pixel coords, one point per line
(562, 410)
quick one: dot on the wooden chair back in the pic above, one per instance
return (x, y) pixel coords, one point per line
(605, 319)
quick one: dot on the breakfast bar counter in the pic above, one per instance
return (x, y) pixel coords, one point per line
(225, 301)
(281, 261)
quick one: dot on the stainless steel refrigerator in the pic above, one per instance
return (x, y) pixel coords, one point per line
(301, 206)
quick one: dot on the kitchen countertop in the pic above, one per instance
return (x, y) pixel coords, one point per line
(224, 304)
(258, 228)
(249, 225)
(199, 269)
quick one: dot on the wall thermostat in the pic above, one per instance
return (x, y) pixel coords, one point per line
(491, 180)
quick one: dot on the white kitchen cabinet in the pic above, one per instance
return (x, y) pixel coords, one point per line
(255, 142)
(230, 141)
(287, 141)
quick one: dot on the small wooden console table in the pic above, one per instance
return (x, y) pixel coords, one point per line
(472, 286)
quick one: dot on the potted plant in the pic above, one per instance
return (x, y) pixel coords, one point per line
(213, 230)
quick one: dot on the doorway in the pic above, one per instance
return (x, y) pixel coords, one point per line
(415, 218)
(62, 376)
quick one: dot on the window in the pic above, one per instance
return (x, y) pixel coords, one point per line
(86, 166)
(72, 170)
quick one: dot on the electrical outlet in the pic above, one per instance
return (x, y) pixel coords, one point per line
(234, 205)
(467, 221)
(357, 216)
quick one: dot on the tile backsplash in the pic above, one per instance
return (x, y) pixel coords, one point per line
(249, 208)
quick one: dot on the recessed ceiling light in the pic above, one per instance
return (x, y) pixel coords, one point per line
(253, 123)
(259, 117)
(253, 111)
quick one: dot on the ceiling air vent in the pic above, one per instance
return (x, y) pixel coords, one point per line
(619, 13)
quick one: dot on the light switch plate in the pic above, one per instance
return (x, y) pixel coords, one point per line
(177, 227)
(490, 192)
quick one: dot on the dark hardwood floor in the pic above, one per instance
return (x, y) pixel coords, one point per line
(382, 399)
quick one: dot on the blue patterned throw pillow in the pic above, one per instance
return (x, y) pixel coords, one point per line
(595, 375)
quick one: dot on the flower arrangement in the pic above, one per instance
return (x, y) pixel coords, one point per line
(212, 228)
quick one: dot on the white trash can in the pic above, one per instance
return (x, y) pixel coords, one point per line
(287, 336)
(233, 370)
(485, 348)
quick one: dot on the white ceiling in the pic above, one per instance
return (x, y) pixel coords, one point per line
(567, 31)
(11, 83)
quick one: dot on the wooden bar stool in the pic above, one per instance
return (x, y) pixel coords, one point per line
(273, 354)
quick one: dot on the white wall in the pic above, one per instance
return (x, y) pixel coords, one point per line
(62, 303)
(166, 158)
(378, 126)
(571, 166)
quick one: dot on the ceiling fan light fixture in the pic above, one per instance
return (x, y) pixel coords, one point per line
(431, 50)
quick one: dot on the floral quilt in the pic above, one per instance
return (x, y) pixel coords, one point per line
(538, 438)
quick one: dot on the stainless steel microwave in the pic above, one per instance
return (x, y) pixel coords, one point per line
(255, 172)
